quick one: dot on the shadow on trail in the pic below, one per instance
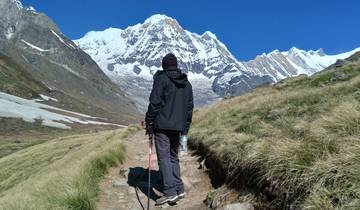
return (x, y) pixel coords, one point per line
(138, 178)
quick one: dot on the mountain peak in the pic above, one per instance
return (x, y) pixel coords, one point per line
(209, 34)
(274, 52)
(17, 3)
(294, 50)
(160, 21)
(320, 52)
(158, 18)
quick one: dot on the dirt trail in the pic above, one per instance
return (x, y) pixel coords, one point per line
(124, 186)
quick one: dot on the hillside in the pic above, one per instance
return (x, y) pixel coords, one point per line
(62, 172)
(294, 145)
(37, 59)
(131, 56)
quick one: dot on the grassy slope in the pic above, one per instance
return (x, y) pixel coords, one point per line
(61, 173)
(16, 134)
(16, 81)
(297, 140)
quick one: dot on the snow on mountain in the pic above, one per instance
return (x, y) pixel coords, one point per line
(30, 110)
(31, 44)
(34, 47)
(18, 4)
(131, 56)
(294, 62)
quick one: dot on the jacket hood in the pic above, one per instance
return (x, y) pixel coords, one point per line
(176, 76)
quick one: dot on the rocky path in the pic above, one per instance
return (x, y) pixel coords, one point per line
(125, 187)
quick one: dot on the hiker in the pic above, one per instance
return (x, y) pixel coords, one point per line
(169, 116)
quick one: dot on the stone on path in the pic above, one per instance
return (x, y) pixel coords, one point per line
(239, 206)
(120, 183)
(124, 173)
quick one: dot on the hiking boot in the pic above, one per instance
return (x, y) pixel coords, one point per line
(167, 199)
(182, 195)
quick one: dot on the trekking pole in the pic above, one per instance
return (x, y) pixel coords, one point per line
(149, 168)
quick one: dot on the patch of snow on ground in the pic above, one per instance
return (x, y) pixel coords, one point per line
(34, 47)
(9, 33)
(46, 98)
(29, 110)
(62, 40)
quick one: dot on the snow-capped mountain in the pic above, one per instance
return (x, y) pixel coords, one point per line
(37, 58)
(131, 56)
(294, 62)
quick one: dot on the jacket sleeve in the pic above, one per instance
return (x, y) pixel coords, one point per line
(155, 100)
(190, 107)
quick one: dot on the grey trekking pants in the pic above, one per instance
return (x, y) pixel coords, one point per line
(167, 148)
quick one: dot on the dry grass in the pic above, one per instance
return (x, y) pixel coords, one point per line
(62, 173)
(300, 139)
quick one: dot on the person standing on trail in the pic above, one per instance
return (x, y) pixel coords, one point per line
(169, 115)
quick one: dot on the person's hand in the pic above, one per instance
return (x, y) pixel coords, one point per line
(149, 130)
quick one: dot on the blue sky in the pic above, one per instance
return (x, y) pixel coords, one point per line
(247, 27)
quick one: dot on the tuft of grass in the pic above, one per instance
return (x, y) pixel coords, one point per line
(82, 193)
(344, 119)
(209, 198)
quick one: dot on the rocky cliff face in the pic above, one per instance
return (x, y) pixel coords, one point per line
(131, 56)
(35, 44)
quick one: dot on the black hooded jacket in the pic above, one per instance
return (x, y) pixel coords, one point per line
(171, 101)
